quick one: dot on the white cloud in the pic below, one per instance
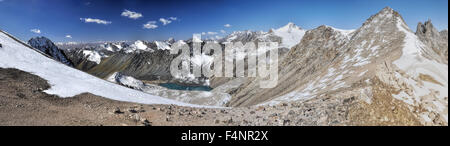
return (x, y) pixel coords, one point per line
(150, 25)
(173, 18)
(98, 21)
(203, 33)
(223, 31)
(227, 25)
(69, 36)
(36, 31)
(165, 21)
(212, 33)
(131, 14)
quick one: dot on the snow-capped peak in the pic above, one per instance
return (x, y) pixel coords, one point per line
(171, 40)
(289, 27)
(290, 34)
(162, 45)
(140, 45)
(93, 56)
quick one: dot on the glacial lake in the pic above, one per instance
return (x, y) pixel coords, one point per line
(174, 86)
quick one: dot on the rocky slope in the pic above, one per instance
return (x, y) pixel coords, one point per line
(383, 65)
(21, 95)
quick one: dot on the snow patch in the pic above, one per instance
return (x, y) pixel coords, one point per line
(93, 56)
(162, 45)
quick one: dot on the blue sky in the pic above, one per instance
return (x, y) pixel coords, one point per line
(58, 18)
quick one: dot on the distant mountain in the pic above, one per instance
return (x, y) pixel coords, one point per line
(249, 36)
(46, 46)
(150, 60)
(290, 35)
(287, 36)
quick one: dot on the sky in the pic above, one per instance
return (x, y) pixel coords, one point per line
(120, 20)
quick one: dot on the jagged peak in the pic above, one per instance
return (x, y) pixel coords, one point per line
(42, 38)
(290, 25)
(242, 32)
(386, 13)
(322, 29)
(426, 28)
(329, 31)
(428, 22)
(41, 41)
(171, 40)
(387, 8)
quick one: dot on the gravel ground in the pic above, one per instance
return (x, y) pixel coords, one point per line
(22, 102)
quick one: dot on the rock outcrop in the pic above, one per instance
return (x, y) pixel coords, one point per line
(46, 46)
(437, 41)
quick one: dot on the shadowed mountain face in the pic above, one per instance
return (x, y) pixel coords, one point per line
(141, 59)
(144, 66)
(46, 46)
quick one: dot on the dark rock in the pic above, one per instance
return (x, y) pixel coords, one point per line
(117, 111)
(286, 122)
(46, 46)
(291, 112)
(348, 100)
(145, 122)
(273, 115)
(21, 95)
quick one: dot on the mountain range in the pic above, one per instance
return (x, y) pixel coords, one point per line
(381, 73)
